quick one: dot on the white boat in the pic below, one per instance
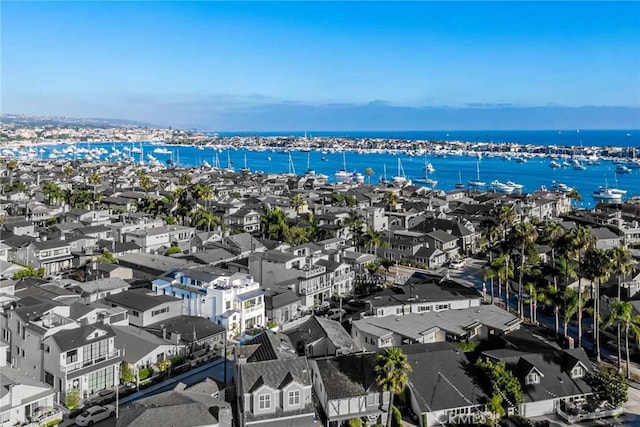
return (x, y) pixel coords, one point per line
(291, 171)
(342, 175)
(503, 188)
(358, 177)
(401, 178)
(245, 169)
(554, 164)
(605, 193)
(162, 151)
(476, 183)
(514, 185)
(622, 169)
(459, 185)
(579, 166)
(563, 188)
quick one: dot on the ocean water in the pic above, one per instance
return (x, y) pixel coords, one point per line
(449, 170)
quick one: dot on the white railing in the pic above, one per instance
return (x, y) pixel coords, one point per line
(75, 366)
(44, 416)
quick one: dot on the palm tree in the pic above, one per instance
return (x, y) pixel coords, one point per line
(598, 265)
(203, 217)
(145, 183)
(52, 191)
(297, 202)
(623, 264)
(506, 218)
(502, 268)
(12, 165)
(552, 234)
(525, 236)
(273, 223)
(580, 240)
(95, 179)
(574, 195)
(622, 312)
(67, 171)
(535, 296)
(369, 172)
(374, 239)
(355, 224)
(186, 179)
(296, 235)
(390, 199)
(392, 369)
(552, 296)
(571, 304)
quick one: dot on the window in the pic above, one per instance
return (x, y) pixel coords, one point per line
(424, 308)
(532, 378)
(577, 372)
(5, 417)
(6, 335)
(72, 356)
(100, 380)
(158, 312)
(136, 313)
(48, 378)
(264, 401)
(294, 397)
(96, 351)
(228, 305)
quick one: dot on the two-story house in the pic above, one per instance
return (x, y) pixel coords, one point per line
(275, 393)
(53, 255)
(346, 388)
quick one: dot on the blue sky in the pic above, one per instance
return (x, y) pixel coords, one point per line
(262, 66)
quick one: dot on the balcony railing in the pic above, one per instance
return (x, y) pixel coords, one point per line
(43, 416)
(584, 415)
(75, 366)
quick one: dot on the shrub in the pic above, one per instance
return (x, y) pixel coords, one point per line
(177, 360)
(611, 385)
(72, 399)
(355, 422)
(53, 423)
(126, 373)
(173, 250)
(145, 373)
(163, 365)
(468, 346)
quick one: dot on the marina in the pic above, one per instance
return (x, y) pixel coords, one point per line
(444, 169)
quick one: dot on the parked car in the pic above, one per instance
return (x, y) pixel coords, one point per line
(95, 414)
(336, 313)
(458, 263)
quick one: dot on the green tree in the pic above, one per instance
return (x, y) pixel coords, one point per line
(623, 264)
(598, 266)
(553, 232)
(506, 218)
(535, 296)
(611, 386)
(273, 223)
(296, 235)
(525, 236)
(144, 181)
(574, 196)
(355, 224)
(502, 269)
(392, 369)
(390, 200)
(72, 399)
(355, 422)
(622, 311)
(571, 305)
(580, 239)
(373, 239)
(369, 172)
(29, 271)
(501, 381)
(172, 250)
(297, 202)
(126, 373)
(52, 191)
(107, 258)
(186, 178)
(67, 171)
(12, 165)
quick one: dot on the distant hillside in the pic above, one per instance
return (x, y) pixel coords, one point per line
(34, 120)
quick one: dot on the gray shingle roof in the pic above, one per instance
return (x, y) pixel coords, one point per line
(348, 376)
(73, 338)
(274, 373)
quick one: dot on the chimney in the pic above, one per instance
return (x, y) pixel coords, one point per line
(16, 398)
(164, 332)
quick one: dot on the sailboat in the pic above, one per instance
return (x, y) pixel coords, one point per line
(216, 162)
(428, 168)
(460, 184)
(342, 175)
(229, 167)
(476, 183)
(401, 178)
(292, 169)
(245, 169)
(383, 177)
(310, 172)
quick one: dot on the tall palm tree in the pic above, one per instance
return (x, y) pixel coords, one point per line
(186, 179)
(202, 217)
(273, 223)
(392, 369)
(506, 218)
(622, 312)
(94, 180)
(12, 165)
(369, 172)
(574, 195)
(571, 304)
(373, 238)
(525, 235)
(52, 191)
(297, 202)
(355, 223)
(553, 232)
(145, 183)
(598, 265)
(552, 296)
(67, 171)
(623, 265)
(580, 240)
(502, 269)
(535, 296)
(390, 199)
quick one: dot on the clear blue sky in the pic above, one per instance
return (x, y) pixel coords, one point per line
(249, 66)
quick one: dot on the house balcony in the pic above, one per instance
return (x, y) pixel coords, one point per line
(76, 366)
(251, 311)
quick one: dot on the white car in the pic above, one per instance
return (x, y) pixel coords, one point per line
(95, 414)
(458, 264)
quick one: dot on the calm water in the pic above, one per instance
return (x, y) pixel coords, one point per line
(448, 170)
